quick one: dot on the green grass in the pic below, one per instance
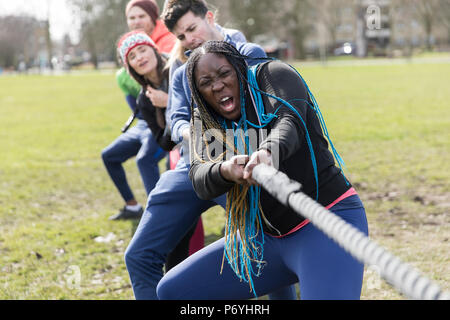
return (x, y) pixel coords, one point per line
(389, 123)
(395, 118)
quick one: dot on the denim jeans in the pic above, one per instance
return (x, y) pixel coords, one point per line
(137, 141)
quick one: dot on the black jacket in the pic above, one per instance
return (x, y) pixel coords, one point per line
(155, 118)
(290, 144)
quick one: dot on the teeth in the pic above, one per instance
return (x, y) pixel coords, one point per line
(225, 99)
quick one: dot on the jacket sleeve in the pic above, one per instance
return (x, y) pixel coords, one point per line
(165, 140)
(205, 175)
(288, 129)
(129, 87)
(179, 110)
(255, 52)
(131, 102)
(175, 65)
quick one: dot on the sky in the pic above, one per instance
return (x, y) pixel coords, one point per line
(61, 19)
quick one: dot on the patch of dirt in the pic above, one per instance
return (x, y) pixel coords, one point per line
(414, 225)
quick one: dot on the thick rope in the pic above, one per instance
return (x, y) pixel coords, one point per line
(400, 275)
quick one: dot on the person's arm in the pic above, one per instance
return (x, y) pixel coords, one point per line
(165, 141)
(235, 35)
(150, 115)
(173, 67)
(129, 87)
(148, 112)
(206, 176)
(131, 101)
(179, 110)
(253, 51)
(159, 98)
(287, 130)
(238, 36)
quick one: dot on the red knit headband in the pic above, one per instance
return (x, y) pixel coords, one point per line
(131, 40)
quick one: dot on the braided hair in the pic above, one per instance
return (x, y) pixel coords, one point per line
(209, 116)
(244, 210)
(244, 213)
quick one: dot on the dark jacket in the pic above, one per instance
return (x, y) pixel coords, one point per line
(290, 143)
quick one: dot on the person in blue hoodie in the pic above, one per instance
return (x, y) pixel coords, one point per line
(173, 207)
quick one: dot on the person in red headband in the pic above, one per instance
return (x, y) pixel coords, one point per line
(138, 140)
(146, 66)
(144, 15)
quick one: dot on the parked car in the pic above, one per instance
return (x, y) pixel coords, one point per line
(345, 49)
(273, 47)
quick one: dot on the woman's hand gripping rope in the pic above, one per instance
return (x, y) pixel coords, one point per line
(239, 168)
(259, 157)
(233, 169)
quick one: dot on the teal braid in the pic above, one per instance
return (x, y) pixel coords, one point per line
(267, 118)
(316, 108)
(260, 108)
(254, 250)
(245, 215)
(253, 216)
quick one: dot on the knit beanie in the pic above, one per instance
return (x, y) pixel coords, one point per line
(148, 6)
(131, 40)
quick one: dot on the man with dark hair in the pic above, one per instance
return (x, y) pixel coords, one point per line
(174, 10)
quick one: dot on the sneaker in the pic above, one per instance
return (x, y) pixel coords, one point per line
(126, 214)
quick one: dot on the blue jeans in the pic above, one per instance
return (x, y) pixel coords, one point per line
(323, 269)
(137, 141)
(172, 209)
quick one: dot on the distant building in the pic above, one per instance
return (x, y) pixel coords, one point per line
(24, 42)
(373, 27)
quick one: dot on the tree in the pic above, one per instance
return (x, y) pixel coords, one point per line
(331, 15)
(298, 21)
(48, 38)
(426, 11)
(18, 40)
(102, 23)
(252, 17)
(444, 16)
(289, 21)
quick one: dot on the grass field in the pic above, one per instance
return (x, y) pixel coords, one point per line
(390, 123)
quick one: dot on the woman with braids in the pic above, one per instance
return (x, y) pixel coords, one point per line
(251, 115)
(173, 207)
(147, 66)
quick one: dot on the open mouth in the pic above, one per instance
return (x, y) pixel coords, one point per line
(143, 64)
(227, 104)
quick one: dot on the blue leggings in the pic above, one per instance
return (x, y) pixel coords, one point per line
(322, 268)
